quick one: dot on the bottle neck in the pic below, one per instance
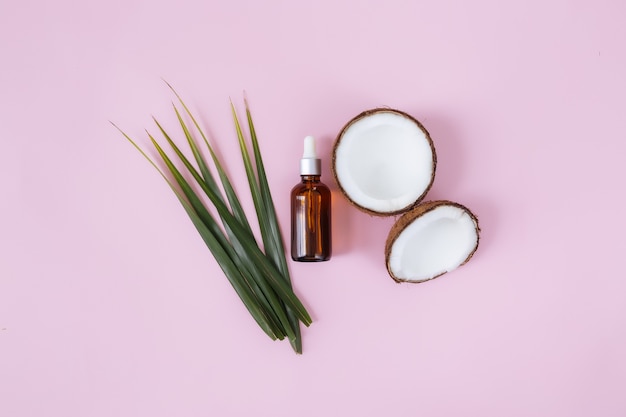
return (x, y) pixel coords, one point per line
(310, 178)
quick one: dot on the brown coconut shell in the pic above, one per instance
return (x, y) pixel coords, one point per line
(409, 217)
(334, 157)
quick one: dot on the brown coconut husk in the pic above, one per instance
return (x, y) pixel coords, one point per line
(334, 156)
(409, 217)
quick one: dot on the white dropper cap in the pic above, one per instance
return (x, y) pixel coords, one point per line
(310, 164)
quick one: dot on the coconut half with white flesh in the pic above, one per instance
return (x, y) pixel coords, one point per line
(384, 161)
(434, 238)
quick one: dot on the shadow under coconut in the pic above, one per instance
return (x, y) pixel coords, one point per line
(488, 219)
(451, 149)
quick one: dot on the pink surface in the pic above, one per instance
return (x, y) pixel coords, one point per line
(110, 305)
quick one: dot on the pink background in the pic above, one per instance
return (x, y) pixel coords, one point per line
(110, 305)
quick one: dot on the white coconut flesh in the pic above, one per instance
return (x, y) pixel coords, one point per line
(433, 243)
(384, 161)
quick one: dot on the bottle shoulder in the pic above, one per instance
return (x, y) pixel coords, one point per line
(311, 186)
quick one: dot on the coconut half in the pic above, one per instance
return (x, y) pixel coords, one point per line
(434, 238)
(384, 161)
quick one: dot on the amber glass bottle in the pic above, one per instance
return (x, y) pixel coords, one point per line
(311, 238)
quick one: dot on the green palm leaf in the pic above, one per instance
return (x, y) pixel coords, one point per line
(239, 252)
(260, 260)
(266, 213)
(220, 253)
(260, 279)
